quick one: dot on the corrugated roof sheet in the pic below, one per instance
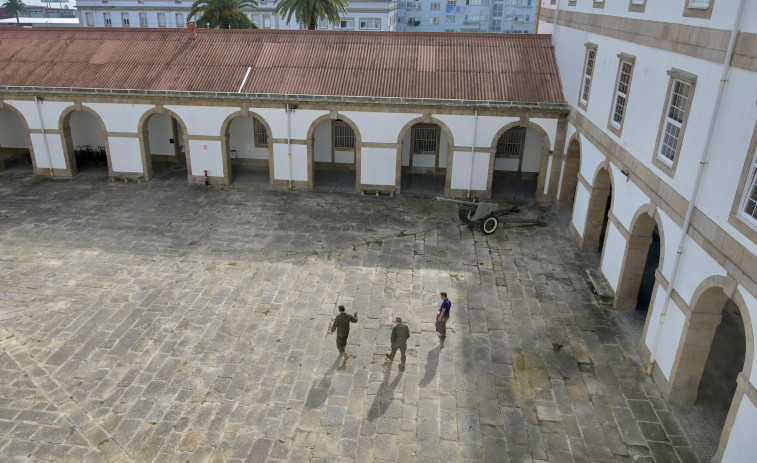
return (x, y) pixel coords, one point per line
(489, 67)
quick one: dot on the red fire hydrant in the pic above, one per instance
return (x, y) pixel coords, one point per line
(207, 179)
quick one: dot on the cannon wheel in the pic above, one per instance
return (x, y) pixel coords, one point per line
(489, 224)
(464, 216)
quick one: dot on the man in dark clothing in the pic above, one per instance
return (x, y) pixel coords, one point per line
(400, 335)
(441, 319)
(342, 327)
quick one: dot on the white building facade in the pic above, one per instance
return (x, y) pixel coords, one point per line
(661, 146)
(467, 145)
(507, 16)
(366, 15)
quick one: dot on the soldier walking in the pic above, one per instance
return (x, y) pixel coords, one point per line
(342, 327)
(441, 319)
(400, 335)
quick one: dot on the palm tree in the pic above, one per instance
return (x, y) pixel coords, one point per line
(223, 14)
(309, 12)
(15, 7)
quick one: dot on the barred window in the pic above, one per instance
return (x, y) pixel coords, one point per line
(510, 144)
(674, 117)
(425, 139)
(261, 134)
(344, 137)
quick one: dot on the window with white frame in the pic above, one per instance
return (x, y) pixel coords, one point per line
(179, 19)
(125, 19)
(433, 21)
(107, 20)
(370, 23)
(344, 137)
(261, 134)
(450, 18)
(90, 19)
(620, 99)
(749, 206)
(451, 2)
(347, 23)
(591, 57)
(498, 10)
(436, 6)
(161, 20)
(266, 21)
(675, 115)
(142, 19)
(323, 24)
(703, 4)
(510, 143)
(425, 139)
(496, 24)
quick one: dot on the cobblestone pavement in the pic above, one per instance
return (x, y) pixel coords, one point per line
(168, 322)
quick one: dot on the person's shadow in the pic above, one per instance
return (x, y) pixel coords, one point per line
(385, 394)
(317, 395)
(432, 363)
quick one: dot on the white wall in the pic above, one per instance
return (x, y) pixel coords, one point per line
(120, 117)
(322, 142)
(202, 120)
(379, 127)
(580, 207)
(125, 154)
(12, 131)
(206, 155)
(614, 249)
(532, 151)
(242, 139)
(751, 303)
(378, 166)
(461, 174)
(742, 446)
(160, 134)
(85, 130)
(670, 337)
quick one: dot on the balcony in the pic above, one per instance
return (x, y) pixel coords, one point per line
(413, 23)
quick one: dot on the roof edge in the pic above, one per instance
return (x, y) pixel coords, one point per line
(388, 101)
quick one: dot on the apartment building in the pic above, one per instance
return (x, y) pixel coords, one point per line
(365, 15)
(660, 171)
(508, 16)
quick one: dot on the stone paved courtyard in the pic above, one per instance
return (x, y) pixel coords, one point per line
(171, 323)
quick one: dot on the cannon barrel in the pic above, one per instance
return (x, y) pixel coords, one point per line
(460, 202)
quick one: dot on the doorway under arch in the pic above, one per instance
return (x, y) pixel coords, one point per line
(569, 179)
(335, 148)
(15, 152)
(248, 148)
(163, 144)
(518, 154)
(715, 347)
(598, 213)
(85, 142)
(425, 159)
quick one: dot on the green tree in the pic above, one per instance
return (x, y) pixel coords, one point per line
(16, 7)
(309, 12)
(223, 14)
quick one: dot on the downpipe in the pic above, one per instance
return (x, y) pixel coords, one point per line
(472, 153)
(697, 183)
(44, 135)
(289, 108)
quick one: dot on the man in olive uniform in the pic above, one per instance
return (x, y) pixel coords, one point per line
(400, 335)
(342, 327)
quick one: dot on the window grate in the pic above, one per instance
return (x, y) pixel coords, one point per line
(510, 144)
(261, 134)
(344, 137)
(424, 139)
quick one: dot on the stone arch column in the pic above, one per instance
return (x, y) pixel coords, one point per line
(27, 133)
(334, 115)
(144, 140)
(64, 127)
(427, 119)
(225, 140)
(569, 180)
(595, 213)
(637, 247)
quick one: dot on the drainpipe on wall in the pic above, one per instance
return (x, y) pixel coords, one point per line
(44, 135)
(473, 152)
(697, 182)
(289, 110)
(557, 16)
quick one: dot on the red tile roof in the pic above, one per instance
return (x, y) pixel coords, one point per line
(494, 67)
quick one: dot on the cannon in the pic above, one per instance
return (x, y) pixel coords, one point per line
(486, 214)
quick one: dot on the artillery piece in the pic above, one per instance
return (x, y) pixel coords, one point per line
(487, 215)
